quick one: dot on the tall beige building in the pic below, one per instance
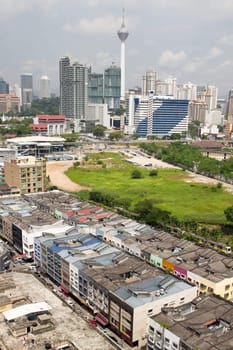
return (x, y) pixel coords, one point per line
(26, 173)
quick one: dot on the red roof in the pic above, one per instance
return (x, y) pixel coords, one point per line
(83, 219)
(70, 213)
(39, 126)
(84, 211)
(51, 118)
(102, 216)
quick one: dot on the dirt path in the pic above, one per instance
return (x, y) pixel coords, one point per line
(55, 171)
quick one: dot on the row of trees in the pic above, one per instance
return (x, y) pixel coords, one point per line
(187, 156)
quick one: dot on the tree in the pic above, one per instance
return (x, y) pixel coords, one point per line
(175, 136)
(116, 135)
(144, 207)
(136, 174)
(153, 172)
(229, 214)
(99, 130)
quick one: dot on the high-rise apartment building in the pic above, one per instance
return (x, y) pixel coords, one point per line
(187, 91)
(73, 92)
(198, 111)
(112, 86)
(230, 106)
(26, 90)
(209, 95)
(45, 88)
(149, 82)
(28, 174)
(4, 86)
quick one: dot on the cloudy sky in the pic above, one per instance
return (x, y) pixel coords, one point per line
(189, 39)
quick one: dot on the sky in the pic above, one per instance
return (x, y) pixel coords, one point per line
(189, 39)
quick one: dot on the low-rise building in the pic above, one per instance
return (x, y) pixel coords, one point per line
(49, 125)
(26, 173)
(203, 324)
(5, 257)
(119, 288)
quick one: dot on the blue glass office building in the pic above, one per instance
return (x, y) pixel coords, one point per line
(165, 117)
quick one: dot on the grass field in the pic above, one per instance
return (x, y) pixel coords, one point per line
(169, 190)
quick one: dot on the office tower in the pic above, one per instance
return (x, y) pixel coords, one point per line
(95, 87)
(26, 90)
(123, 35)
(26, 173)
(73, 92)
(4, 86)
(112, 86)
(45, 90)
(149, 82)
(153, 115)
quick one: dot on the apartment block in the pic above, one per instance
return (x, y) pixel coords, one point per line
(9, 103)
(26, 173)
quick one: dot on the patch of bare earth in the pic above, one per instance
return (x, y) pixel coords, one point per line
(56, 172)
(193, 177)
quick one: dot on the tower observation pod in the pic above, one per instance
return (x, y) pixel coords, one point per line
(123, 35)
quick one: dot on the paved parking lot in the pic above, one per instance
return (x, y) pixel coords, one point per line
(68, 325)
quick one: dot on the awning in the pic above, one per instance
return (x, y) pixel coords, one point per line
(64, 289)
(83, 301)
(101, 319)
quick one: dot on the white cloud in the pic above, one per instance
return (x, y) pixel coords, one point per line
(172, 59)
(227, 40)
(214, 52)
(98, 25)
(103, 60)
(12, 8)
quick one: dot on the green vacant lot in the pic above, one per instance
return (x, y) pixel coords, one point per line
(169, 189)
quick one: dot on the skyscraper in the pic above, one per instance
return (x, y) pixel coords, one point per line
(4, 86)
(112, 86)
(95, 87)
(73, 92)
(45, 91)
(149, 82)
(123, 35)
(26, 90)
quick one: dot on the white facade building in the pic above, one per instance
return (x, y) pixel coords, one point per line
(98, 113)
(45, 88)
(149, 82)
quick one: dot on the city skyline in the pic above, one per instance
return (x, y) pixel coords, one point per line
(180, 38)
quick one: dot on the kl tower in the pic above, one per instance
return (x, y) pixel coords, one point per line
(123, 35)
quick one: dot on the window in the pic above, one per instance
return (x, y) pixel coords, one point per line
(227, 287)
(149, 311)
(151, 329)
(174, 346)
